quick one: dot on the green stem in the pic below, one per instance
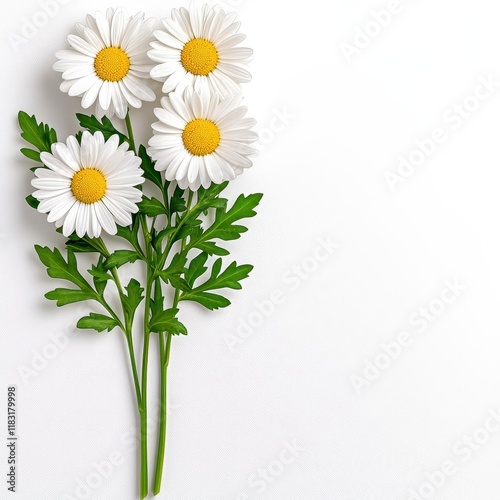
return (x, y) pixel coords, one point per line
(160, 455)
(165, 345)
(130, 131)
(172, 239)
(99, 244)
(145, 360)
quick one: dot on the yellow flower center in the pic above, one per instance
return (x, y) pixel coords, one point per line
(112, 64)
(88, 185)
(199, 56)
(201, 137)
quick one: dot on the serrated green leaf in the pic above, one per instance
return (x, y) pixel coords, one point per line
(121, 257)
(178, 203)
(152, 207)
(158, 238)
(80, 246)
(97, 322)
(174, 272)
(100, 276)
(133, 298)
(57, 267)
(196, 269)
(65, 296)
(223, 227)
(166, 321)
(31, 154)
(212, 249)
(211, 301)
(92, 124)
(229, 278)
(148, 167)
(37, 134)
(32, 201)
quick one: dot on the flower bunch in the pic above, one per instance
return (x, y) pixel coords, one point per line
(94, 184)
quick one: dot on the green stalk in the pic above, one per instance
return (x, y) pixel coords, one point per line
(165, 345)
(160, 455)
(145, 359)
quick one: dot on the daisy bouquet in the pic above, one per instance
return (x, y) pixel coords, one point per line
(161, 204)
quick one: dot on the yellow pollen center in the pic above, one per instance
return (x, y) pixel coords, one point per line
(88, 185)
(112, 64)
(201, 137)
(199, 57)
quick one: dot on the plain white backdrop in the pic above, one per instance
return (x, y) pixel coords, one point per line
(375, 373)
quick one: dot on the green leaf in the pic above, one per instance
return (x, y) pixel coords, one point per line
(80, 246)
(212, 249)
(32, 201)
(196, 269)
(97, 322)
(158, 238)
(174, 272)
(152, 207)
(223, 227)
(148, 167)
(65, 296)
(178, 203)
(133, 298)
(92, 124)
(166, 321)
(37, 134)
(57, 267)
(31, 154)
(121, 257)
(211, 301)
(230, 278)
(131, 233)
(100, 275)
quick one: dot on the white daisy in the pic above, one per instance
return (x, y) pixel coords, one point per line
(201, 139)
(198, 48)
(108, 62)
(89, 187)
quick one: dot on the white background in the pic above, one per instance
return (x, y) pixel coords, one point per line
(323, 171)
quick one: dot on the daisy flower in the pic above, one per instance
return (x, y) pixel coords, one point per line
(198, 48)
(89, 187)
(200, 139)
(108, 62)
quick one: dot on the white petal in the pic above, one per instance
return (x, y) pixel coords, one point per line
(105, 218)
(105, 95)
(82, 45)
(56, 165)
(70, 220)
(82, 85)
(91, 94)
(103, 26)
(82, 219)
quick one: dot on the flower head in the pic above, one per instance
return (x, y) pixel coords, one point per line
(90, 186)
(200, 139)
(199, 48)
(108, 62)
